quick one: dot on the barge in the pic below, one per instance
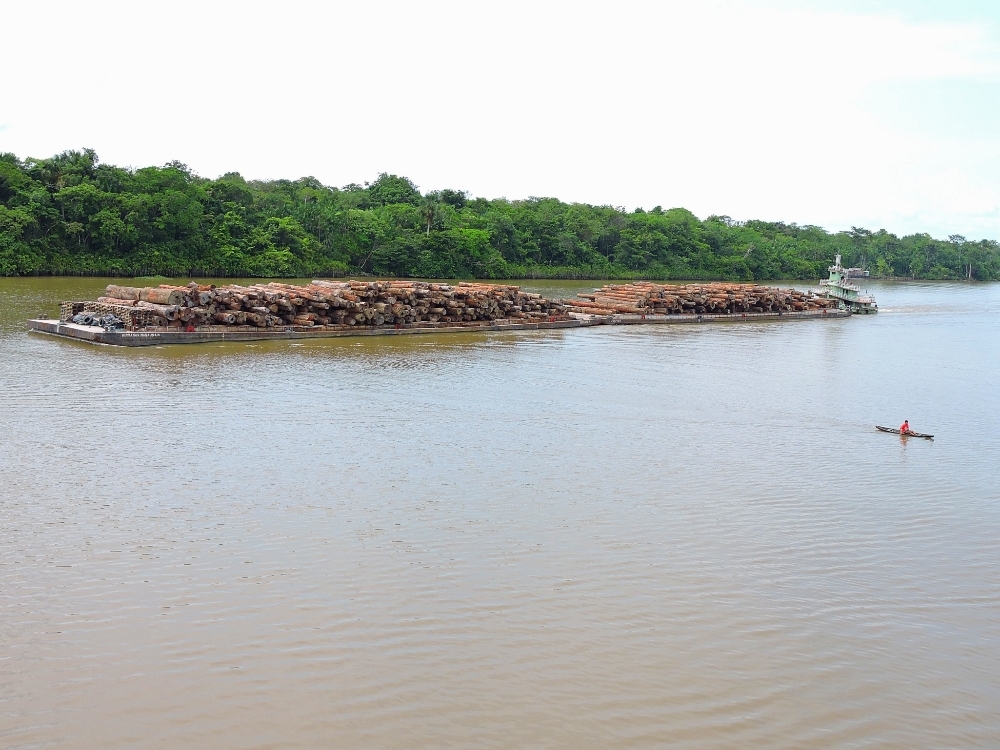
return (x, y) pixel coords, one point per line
(158, 336)
(152, 316)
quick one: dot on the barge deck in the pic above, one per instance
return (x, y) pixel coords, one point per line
(209, 334)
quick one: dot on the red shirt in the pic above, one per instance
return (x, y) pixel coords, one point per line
(905, 427)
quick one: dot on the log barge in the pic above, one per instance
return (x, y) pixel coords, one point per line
(129, 316)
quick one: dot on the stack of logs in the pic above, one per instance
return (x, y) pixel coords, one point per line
(644, 298)
(329, 303)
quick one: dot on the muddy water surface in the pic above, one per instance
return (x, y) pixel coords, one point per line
(629, 537)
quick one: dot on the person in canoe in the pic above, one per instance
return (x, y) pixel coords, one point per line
(904, 429)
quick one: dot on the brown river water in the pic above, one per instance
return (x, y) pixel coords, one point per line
(677, 536)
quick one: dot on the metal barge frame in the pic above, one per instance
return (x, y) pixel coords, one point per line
(209, 334)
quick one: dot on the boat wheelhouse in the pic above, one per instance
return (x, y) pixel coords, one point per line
(848, 295)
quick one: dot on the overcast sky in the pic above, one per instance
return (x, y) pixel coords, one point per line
(874, 113)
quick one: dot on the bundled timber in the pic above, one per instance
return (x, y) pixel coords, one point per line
(143, 316)
(322, 304)
(644, 298)
(132, 316)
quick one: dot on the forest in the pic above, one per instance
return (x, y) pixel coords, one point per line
(72, 215)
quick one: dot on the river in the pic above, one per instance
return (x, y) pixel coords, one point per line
(677, 536)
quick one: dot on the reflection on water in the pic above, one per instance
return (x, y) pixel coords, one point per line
(582, 538)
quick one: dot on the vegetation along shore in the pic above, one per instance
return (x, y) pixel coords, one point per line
(71, 215)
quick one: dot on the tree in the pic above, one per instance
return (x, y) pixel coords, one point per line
(429, 212)
(72, 214)
(389, 188)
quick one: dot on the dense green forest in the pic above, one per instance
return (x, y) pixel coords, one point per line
(73, 215)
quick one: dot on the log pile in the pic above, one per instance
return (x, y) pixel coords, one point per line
(644, 298)
(328, 303)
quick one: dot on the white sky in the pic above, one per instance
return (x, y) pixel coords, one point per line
(877, 114)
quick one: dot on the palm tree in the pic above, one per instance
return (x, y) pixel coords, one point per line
(429, 212)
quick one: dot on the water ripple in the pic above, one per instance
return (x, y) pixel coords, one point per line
(677, 536)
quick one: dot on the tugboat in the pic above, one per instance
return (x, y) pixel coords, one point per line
(848, 295)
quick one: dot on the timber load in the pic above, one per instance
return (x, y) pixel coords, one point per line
(319, 304)
(644, 298)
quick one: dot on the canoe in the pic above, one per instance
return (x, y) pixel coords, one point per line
(894, 431)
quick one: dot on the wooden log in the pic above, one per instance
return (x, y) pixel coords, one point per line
(169, 312)
(161, 296)
(122, 292)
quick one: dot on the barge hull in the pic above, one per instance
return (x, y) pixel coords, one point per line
(159, 337)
